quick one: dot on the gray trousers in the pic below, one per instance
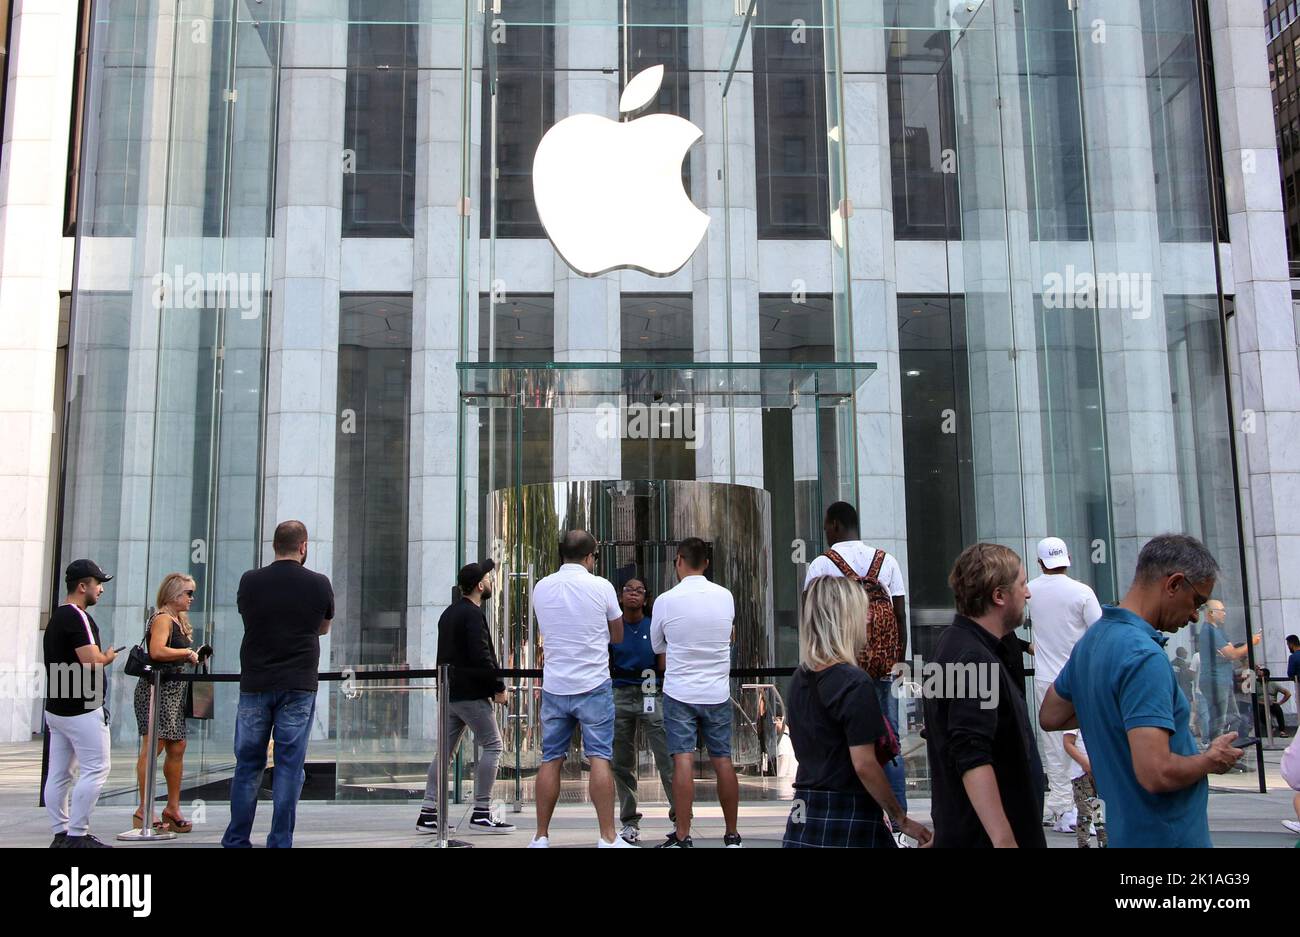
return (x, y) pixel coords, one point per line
(479, 717)
(629, 712)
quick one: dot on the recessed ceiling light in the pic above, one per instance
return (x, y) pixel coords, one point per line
(913, 373)
(645, 338)
(519, 337)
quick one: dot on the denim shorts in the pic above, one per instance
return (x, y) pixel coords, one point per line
(593, 711)
(685, 722)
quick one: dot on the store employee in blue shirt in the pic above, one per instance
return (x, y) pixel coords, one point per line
(638, 676)
(1120, 689)
(1293, 662)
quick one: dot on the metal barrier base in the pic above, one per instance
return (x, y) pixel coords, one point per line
(444, 844)
(146, 835)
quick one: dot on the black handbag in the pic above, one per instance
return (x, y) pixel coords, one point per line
(200, 696)
(138, 663)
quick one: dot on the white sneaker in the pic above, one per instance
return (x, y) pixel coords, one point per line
(540, 842)
(629, 834)
(619, 843)
(1292, 825)
(1063, 826)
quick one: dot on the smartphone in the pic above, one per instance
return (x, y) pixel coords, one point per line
(1244, 743)
(119, 650)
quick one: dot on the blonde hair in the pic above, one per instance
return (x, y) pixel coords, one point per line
(173, 585)
(833, 625)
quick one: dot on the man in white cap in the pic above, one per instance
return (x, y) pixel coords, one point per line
(1061, 609)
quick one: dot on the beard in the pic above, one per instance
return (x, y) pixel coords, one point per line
(487, 594)
(91, 599)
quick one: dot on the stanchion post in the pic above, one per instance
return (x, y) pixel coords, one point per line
(444, 758)
(147, 833)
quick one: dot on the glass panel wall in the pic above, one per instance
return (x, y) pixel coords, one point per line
(945, 247)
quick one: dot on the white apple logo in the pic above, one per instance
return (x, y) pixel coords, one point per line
(610, 194)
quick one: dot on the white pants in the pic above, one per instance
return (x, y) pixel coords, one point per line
(76, 740)
(1060, 792)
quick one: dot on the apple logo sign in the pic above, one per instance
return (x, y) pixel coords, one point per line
(610, 194)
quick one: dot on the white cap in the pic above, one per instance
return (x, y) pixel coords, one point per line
(1053, 553)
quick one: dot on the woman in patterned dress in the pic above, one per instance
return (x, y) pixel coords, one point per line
(170, 640)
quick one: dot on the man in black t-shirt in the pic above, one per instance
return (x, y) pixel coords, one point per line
(75, 718)
(286, 608)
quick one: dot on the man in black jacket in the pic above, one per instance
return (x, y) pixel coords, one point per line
(986, 776)
(465, 644)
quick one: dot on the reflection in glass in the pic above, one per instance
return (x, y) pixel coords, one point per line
(790, 120)
(922, 139)
(371, 480)
(518, 108)
(379, 124)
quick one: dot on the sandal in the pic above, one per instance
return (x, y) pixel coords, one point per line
(176, 824)
(137, 822)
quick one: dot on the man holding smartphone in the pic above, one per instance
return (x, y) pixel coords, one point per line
(1120, 689)
(76, 719)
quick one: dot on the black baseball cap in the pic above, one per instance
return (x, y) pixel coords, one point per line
(472, 573)
(84, 569)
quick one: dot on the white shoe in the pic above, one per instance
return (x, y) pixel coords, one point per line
(540, 842)
(629, 834)
(619, 843)
(1062, 825)
(1292, 825)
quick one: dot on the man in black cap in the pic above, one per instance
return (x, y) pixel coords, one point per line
(465, 643)
(75, 717)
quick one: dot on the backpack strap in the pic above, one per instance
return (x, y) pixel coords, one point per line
(842, 565)
(877, 561)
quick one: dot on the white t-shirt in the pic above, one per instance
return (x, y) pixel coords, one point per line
(692, 624)
(574, 609)
(1061, 609)
(1076, 769)
(859, 556)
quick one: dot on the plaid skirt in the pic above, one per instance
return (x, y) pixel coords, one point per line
(836, 820)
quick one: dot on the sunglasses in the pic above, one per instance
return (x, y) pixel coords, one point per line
(189, 592)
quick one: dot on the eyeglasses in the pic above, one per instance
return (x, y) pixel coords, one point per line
(634, 590)
(189, 592)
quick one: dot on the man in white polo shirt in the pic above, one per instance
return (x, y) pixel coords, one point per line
(1061, 610)
(578, 617)
(693, 627)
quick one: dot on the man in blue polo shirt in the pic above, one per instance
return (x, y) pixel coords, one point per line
(1120, 689)
(1293, 662)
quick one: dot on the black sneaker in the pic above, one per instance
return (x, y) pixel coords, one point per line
(428, 822)
(732, 841)
(672, 842)
(60, 841)
(85, 842)
(486, 823)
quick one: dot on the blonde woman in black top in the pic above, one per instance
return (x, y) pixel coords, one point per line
(170, 648)
(842, 796)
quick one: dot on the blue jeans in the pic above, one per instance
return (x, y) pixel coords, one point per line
(593, 711)
(894, 771)
(286, 716)
(685, 722)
